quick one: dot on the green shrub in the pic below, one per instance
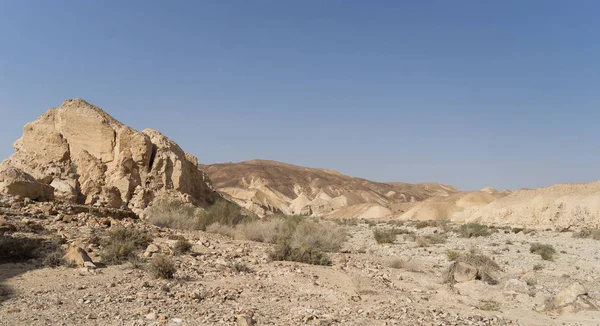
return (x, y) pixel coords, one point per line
(182, 246)
(473, 230)
(162, 267)
(118, 252)
(452, 255)
(544, 250)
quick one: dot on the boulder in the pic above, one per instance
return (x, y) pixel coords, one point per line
(15, 182)
(569, 295)
(464, 272)
(89, 157)
(78, 257)
(516, 286)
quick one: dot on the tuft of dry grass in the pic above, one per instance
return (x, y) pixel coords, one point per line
(544, 250)
(588, 233)
(474, 230)
(173, 213)
(182, 246)
(122, 243)
(224, 230)
(162, 267)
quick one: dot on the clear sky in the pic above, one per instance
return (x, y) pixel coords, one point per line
(469, 93)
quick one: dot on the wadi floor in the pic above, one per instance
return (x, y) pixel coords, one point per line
(233, 282)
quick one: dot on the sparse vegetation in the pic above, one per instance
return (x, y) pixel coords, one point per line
(182, 246)
(17, 249)
(239, 267)
(309, 255)
(588, 233)
(388, 235)
(544, 250)
(122, 243)
(452, 255)
(55, 258)
(172, 213)
(224, 230)
(162, 267)
(473, 230)
(327, 238)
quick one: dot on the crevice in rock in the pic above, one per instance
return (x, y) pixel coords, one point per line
(152, 157)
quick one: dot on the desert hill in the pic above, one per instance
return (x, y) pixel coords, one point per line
(267, 187)
(78, 153)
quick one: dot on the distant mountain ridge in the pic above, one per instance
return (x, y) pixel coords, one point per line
(268, 187)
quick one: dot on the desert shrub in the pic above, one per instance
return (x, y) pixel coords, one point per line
(17, 249)
(162, 267)
(452, 255)
(221, 229)
(321, 236)
(473, 230)
(239, 267)
(544, 250)
(538, 267)
(309, 255)
(436, 238)
(588, 233)
(55, 258)
(264, 230)
(118, 252)
(385, 235)
(182, 246)
(121, 244)
(173, 213)
(422, 224)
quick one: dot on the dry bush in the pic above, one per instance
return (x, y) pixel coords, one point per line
(55, 258)
(309, 255)
(182, 246)
(452, 255)
(588, 233)
(173, 213)
(389, 235)
(321, 236)
(162, 267)
(473, 230)
(422, 242)
(224, 230)
(544, 250)
(267, 231)
(239, 267)
(122, 243)
(19, 249)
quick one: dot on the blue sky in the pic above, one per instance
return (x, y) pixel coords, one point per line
(469, 93)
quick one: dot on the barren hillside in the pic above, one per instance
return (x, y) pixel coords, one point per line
(266, 187)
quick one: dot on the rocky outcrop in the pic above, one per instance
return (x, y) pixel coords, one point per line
(16, 182)
(84, 155)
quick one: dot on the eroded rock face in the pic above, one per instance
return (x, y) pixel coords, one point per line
(16, 182)
(84, 155)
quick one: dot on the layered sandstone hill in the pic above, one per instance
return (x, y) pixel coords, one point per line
(454, 207)
(558, 206)
(267, 187)
(79, 153)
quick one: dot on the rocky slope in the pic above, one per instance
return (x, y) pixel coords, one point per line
(267, 187)
(78, 153)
